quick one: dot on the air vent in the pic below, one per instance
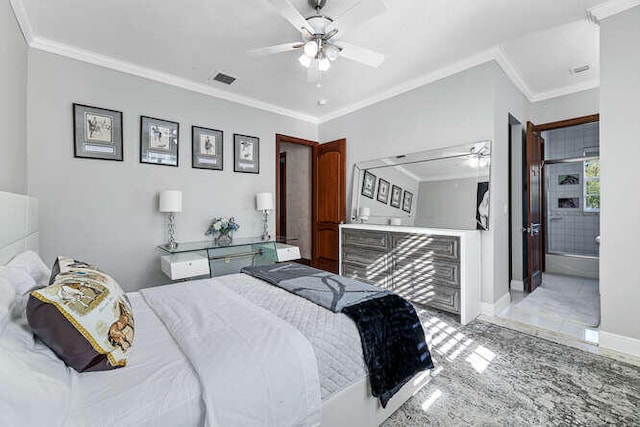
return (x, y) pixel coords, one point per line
(223, 78)
(580, 69)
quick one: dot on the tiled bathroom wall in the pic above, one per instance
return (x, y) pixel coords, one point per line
(570, 229)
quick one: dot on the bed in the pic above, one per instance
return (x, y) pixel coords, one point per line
(161, 385)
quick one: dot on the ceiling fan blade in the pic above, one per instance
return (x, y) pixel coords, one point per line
(264, 51)
(360, 54)
(291, 14)
(313, 72)
(358, 14)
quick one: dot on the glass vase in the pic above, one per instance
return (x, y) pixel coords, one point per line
(224, 238)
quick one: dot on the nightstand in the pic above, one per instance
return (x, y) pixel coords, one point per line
(185, 265)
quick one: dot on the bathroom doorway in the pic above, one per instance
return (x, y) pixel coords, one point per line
(568, 298)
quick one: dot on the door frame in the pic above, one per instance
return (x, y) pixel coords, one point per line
(280, 138)
(541, 128)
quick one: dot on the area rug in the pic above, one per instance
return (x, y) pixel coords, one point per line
(582, 309)
(487, 375)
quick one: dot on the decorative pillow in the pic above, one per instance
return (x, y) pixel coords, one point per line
(84, 316)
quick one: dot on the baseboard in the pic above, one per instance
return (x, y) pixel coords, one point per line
(497, 307)
(517, 285)
(620, 343)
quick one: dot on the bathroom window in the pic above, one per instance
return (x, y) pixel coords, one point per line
(592, 185)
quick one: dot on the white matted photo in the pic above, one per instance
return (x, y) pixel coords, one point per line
(207, 148)
(97, 133)
(159, 141)
(246, 153)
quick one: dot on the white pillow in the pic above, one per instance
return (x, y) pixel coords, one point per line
(19, 278)
(7, 297)
(33, 265)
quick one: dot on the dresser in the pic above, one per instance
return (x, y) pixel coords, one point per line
(432, 267)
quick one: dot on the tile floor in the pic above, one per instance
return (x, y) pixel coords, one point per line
(556, 321)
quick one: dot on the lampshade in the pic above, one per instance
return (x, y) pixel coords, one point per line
(170, 201)
(264, 201)
(365, 212)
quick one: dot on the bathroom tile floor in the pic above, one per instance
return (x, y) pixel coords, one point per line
(579, 291)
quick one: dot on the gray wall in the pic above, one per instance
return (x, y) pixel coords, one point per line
(619, 154)
(457, 110)
(299, 195)
(13, 103)
(106, 212)
(577, 104)
(448, 204)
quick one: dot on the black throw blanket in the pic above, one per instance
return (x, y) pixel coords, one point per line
(393, 341)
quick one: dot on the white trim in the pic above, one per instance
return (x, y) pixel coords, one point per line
(517, 285)
(159, 76)
(449, 70)
(503, 61)
(497, 307)
(606, 10)
(496, 54)
(566, 90)
(620, 343)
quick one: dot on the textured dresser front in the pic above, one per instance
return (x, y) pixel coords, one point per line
(422, 268)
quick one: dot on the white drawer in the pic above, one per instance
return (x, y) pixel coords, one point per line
(182, 266)
(287, 252)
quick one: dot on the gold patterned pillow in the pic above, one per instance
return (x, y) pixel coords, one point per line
(84, 316)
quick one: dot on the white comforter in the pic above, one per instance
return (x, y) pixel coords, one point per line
(255, 369)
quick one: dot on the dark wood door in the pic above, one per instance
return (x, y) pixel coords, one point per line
(282, 202)
(535, 188)
(329, 200)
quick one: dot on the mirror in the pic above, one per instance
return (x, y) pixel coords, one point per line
(444, 188)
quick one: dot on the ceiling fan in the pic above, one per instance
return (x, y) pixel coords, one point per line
(319, 45)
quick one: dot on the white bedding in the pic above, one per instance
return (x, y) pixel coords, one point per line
(254, 368)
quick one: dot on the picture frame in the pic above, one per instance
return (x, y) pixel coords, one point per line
(207, 148)
(383, 191)
(569, 179)
(368, 184)
(569, 203)
(97, 133)
(396, 196)
(246, 153)
(159, 140)
(407, 200)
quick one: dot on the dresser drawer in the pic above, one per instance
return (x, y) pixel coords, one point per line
(419, 271)
(441, 297)
(366, 238)
(364, 257)
(426, 246)
(376, 277)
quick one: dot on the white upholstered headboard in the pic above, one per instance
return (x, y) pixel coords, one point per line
(18, 225)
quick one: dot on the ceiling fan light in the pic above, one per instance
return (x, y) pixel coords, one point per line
(311, 48)
(304, 60)
(331, 52)
(324, 64)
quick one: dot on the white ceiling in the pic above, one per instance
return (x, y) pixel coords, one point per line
(193, 39)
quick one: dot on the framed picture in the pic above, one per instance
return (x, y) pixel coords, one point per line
(97, 133)
(406, 201)
(396, 196)
(482, 206)
(206, 148)
(569, 179)
(368, 184)
(246, 150)
(568, 203)
(383, 191)
(159, 141)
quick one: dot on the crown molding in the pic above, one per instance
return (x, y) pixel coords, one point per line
(607, 9)
(566, 90)
(23, 20)
(496, 54)
(159, 76)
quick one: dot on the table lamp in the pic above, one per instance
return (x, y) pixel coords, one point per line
(264, 203)
(171, 203)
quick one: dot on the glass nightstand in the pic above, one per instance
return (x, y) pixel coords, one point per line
(227, 259)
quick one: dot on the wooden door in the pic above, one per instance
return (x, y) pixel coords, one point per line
(535, 189)
(329, 202)
(282, 196)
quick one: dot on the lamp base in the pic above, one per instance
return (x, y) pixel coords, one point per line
(171, 245)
